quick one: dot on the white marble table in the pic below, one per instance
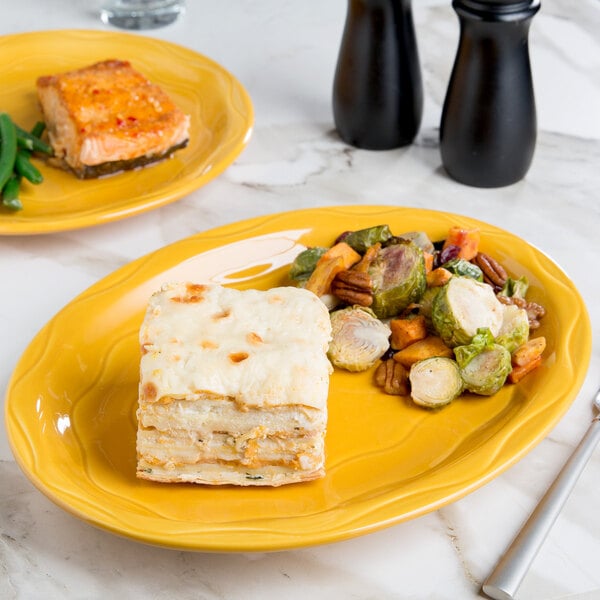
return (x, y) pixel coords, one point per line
(284, 53)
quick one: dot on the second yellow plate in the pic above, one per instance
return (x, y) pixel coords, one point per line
(221, 124)
(70, 406)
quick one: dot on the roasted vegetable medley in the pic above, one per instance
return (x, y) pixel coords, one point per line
(433, 320)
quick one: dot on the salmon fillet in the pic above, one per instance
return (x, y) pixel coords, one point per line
(108, 117)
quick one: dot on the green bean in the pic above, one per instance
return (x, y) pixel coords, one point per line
(8, 148)
(10, 193)
(25, 168)
(37, 144)
(16, 146)
(24, 143)
(38, 129)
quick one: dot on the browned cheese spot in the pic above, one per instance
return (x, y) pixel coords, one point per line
(254, 339)
(238, 357)
(194, 292)
(209, 345)
(149, 391)
(222, 315)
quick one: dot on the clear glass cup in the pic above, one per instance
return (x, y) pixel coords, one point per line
(141, 14)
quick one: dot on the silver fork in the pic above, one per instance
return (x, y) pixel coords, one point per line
(506, 578)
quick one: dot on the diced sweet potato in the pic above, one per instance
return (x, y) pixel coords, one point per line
(428, 261)
(438, 277)
(320, 279)
(346, 252)
(529, 351)
(520, 371)
(368, 257)
(465, 239)
(425, 348)
(407, 331)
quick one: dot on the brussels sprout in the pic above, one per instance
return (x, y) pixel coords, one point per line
(359, 338)
(463, 306)
(421, 239)
(515, 328)
(486, 372)
(304, 264)
(460, 266)
(435, 381)
(515, 288)
(481, 341)
(364, 238)
(398, 278)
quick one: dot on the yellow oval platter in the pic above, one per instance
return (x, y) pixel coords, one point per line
(70, 406)
(221, 124)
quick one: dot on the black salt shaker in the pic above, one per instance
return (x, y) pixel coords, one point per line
(377, 90)
(489, 128)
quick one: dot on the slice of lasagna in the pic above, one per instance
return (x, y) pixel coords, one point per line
(108, 117)
(233, 386)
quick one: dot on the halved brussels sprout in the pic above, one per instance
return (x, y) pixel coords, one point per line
(486, 372)
(462, 307)
(362, 239)
(398, 278)
(304, 264)
(460, 266)
(515, 328)
(359, 338)
(435, 382)
(421, 239)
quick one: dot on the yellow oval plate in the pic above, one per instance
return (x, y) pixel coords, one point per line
(70, 407)
(221, 124)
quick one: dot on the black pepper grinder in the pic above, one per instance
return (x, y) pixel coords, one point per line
(377, 90)
(488, 128)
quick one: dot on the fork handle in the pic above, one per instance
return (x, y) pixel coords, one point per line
(506, 578)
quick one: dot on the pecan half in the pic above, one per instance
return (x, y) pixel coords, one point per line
(353, 287)
(493, 272)
(534, 310)
(392, 379)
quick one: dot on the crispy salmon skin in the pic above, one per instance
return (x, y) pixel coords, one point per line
(107, 117)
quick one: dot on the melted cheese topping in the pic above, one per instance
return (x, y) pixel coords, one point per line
(258, 348)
